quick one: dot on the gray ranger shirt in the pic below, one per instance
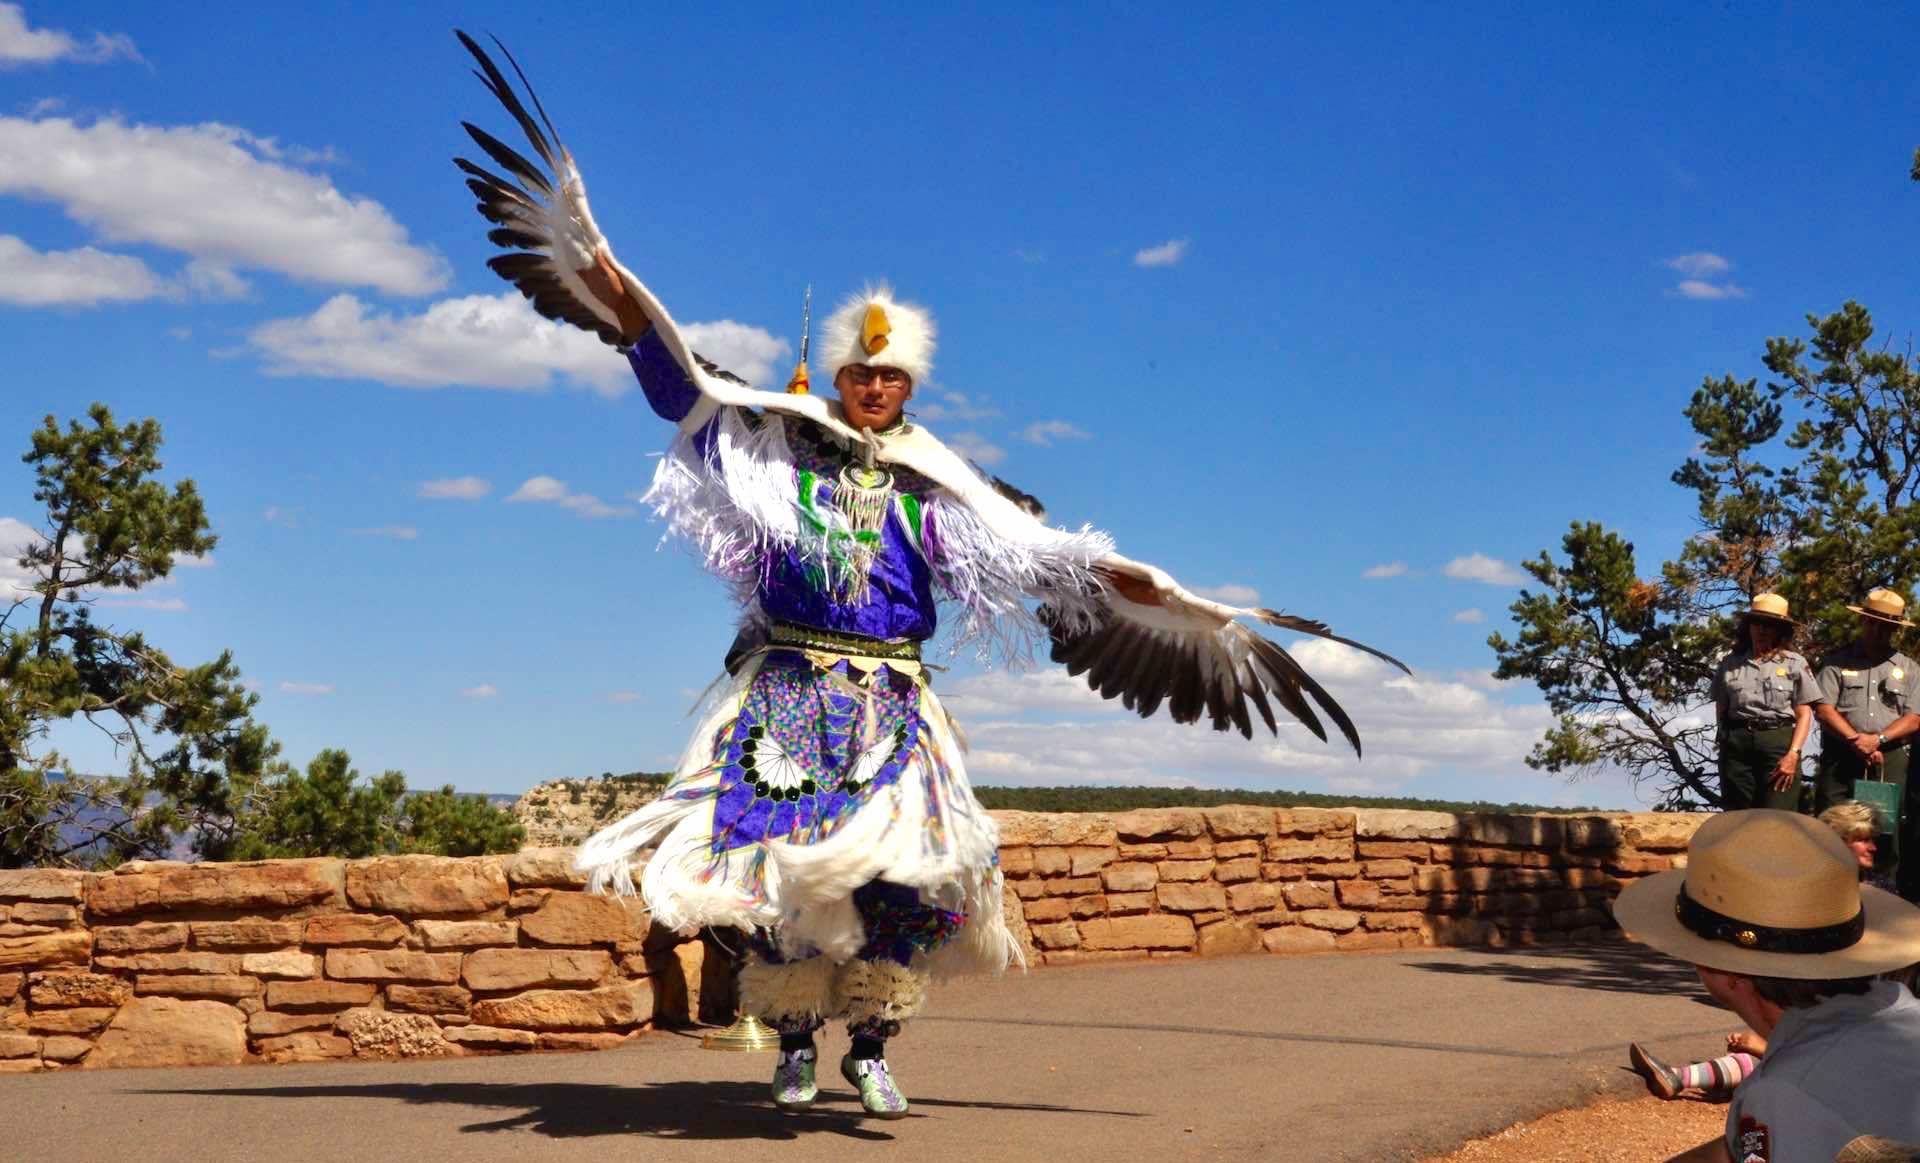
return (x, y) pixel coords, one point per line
(1764, 691)
(1847, 1067)
(1869, 697)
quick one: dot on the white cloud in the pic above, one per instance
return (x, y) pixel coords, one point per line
(1700, 264)
(485, 690)
(1701, 289)
(454, 489)
(1044, 727)
(82, 277)
(941, 404)
(285, 518)
(1471, 616)
(391, 532)
(217, 194)
(1045, 432)
(1385, 569)
(479, 341)
(193, 561)
(1481, 568)
(16, 537)
(1232, 593)
(482, 341)
(622, 697)
(755, 355)
(169, 604)
(1701, 268)
(546, 490)
(977, 448)
(1165, 255)
(307, 688)
(21, 45)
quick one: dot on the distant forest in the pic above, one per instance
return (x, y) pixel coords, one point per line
(1120, 799)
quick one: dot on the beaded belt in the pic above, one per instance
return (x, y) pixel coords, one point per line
(814, 638)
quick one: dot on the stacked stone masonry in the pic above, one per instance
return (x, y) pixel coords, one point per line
(162, 963)
(1182, 882)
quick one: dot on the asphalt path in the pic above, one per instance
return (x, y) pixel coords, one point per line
(1349, 1057)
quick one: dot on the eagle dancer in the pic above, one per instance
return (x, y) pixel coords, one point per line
(823, 804)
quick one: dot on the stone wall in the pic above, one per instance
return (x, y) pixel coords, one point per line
(167, 963)
(1180, 882)
(289, 960)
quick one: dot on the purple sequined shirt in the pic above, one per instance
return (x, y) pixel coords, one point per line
(899, 600)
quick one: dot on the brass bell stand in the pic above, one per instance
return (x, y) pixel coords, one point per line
(747, 1034)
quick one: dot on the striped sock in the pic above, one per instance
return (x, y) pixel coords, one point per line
(1722, 1073)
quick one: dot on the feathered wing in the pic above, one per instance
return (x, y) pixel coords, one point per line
(540, 214)
(1167, 645)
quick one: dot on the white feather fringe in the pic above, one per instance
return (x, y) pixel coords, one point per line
(992, 575)
(796, 991)
(866, 991)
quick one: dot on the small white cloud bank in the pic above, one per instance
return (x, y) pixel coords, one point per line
(752, 353)
(1385, 569)
(1045, 432)
(1232, 593)
(976, 448)
(1703, 276)
(454, 489)
(22, 44)
(940, 404)
(482, 341)
(1168, 253)
(485, 690)
(1487, 570)
(225, 198)
(306, 688)
(546, 490)
(82, 277)
(1471, 616)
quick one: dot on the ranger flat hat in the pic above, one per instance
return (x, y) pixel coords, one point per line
(1771, 894)
(1771, 607)
(1885, 606)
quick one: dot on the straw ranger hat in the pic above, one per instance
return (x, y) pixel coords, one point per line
(1769, 608)
(1771, 894)
(1884, 606)
(1869, 1149)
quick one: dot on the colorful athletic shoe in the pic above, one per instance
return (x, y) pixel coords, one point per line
(1663, 1081)
(879, 1094)
(793, 1085)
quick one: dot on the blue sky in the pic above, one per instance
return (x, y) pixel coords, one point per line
(1351, 309)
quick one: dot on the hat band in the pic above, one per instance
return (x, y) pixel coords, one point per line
(1704, 922)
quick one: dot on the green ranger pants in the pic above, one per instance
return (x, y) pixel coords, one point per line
(1747, 760)
(1840, 768)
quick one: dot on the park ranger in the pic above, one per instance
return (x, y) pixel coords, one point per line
(1763, 696)
(1868, 718)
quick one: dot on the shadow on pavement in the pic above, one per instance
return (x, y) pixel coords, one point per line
(1614, 969)
(668, 1110)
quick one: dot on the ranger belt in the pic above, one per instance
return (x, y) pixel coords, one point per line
(814, 638)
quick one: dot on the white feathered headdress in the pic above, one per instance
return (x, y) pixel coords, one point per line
(878, 330)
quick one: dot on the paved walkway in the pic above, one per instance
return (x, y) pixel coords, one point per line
(1383, 1057)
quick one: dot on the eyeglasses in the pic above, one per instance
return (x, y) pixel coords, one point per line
(889, 377)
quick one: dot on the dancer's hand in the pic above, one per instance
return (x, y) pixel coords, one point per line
(607, 286)
(1747, 1042)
